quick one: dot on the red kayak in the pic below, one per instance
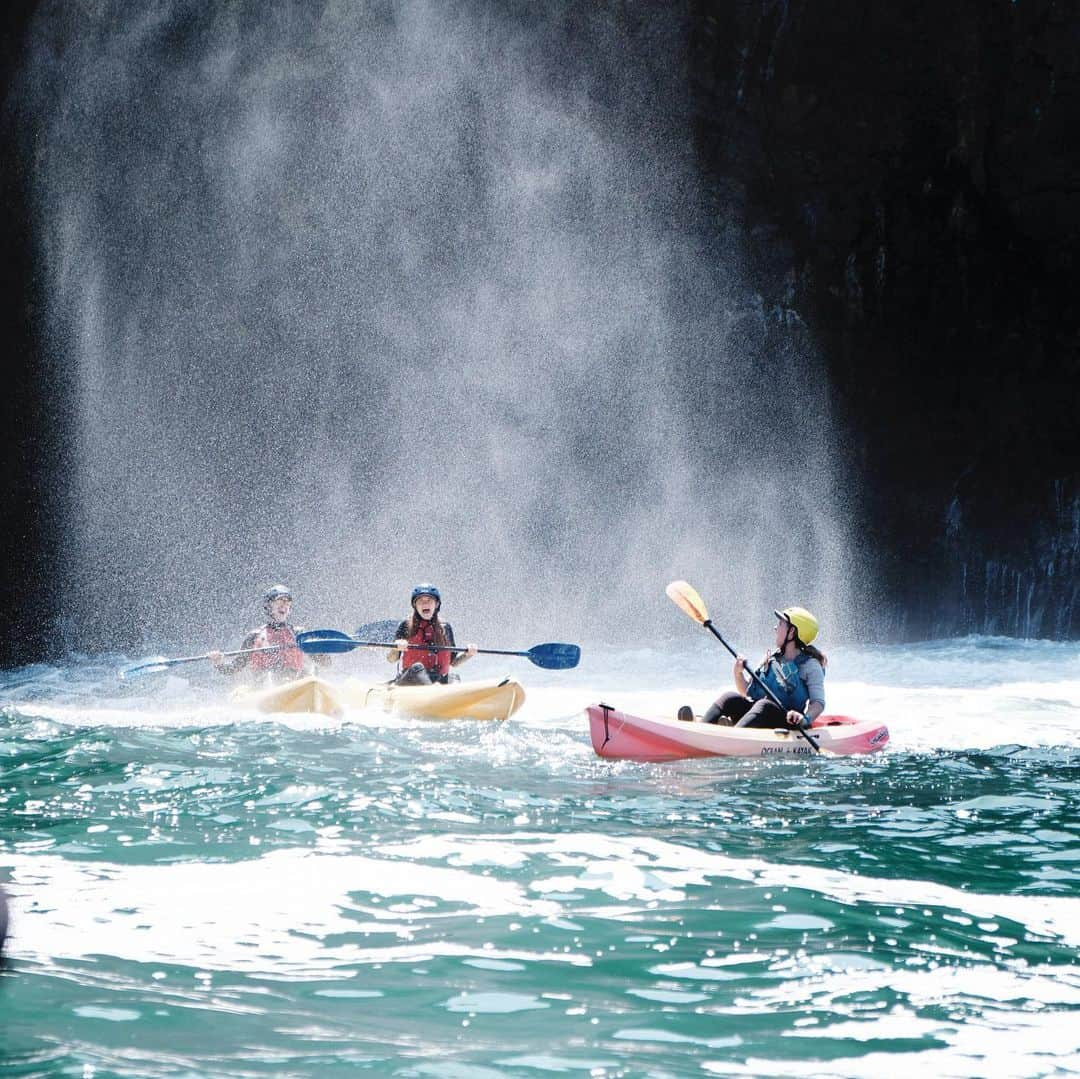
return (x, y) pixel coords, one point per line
(621, 736)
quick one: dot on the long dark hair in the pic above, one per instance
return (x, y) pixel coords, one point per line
(440, 634)
(806, 649)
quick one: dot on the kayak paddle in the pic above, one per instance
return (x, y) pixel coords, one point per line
(385, 628)
(553, 657)
(686, 598)
(160, 663)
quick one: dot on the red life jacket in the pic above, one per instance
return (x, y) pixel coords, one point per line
(289, 658)
(437, 663)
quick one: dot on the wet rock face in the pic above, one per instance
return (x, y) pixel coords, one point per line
(916, 168)
(30, 408)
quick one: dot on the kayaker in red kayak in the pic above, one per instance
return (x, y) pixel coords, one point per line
(281, 666)
(795, 672)
(420, 666)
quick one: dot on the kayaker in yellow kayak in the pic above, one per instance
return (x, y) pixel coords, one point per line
(794, 671)
(420, 666)
(281, 666)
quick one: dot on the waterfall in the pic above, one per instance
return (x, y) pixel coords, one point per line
(355, 295)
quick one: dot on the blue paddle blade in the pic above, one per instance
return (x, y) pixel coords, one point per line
(382, 632)
(153, 665)
(555, 657)
(323, 642)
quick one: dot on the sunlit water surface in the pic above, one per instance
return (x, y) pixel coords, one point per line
(199, 891)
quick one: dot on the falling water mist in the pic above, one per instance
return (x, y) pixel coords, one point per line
(356, 295)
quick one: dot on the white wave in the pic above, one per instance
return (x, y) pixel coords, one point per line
(647, 869)
(272, 914)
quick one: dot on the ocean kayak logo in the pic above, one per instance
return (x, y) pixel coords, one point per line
(786, 751)
(879, 737)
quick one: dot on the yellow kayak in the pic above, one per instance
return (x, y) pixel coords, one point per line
(458, 700)
(310, 694)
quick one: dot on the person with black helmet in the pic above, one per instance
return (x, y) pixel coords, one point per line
(421, 665)
(794, 671)
(287, 662)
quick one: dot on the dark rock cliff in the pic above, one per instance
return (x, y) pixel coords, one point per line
(913, 176)
(30, 408)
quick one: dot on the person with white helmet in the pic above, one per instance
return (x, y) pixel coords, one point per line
(283, 665)
(421, 664)
(794, 671)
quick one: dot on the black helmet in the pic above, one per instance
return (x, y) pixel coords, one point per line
(276, 591)
(426, 590)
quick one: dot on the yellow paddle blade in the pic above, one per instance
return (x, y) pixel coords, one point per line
(685, 596)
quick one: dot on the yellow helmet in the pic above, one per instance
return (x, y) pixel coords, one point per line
(806, 625)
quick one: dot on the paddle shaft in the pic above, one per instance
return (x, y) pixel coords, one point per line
(238, 652)
(250, 651)
(435, 648)
(387, 645)
(552, 656)
(164, 664)
(458, 648)
(757, 678)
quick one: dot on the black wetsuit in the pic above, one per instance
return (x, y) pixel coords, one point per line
(735, 710)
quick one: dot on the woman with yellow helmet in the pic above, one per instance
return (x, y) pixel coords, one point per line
(794, 671)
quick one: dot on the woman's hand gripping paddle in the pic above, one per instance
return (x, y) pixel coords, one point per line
(686, 598)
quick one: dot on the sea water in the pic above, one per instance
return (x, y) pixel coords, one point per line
(197, 890)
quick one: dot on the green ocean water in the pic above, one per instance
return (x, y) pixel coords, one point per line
(197, 893)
